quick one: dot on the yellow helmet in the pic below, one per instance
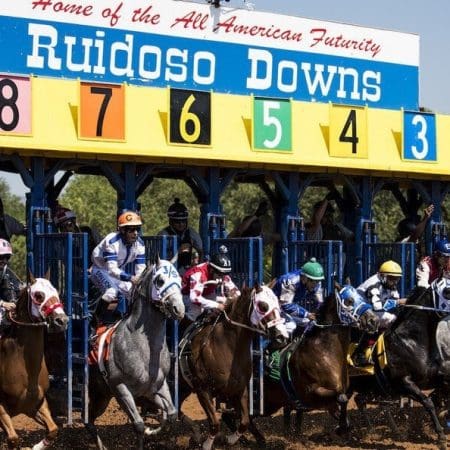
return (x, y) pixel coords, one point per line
(391, 268)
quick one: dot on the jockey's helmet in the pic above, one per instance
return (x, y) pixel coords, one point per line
(313, 270)
(5, 247)
(129, 218)
(443, 247)
(177, 210)
(220, 260)
(62, 215)
(390, 268)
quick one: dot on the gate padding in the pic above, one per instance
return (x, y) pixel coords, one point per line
(402, 253)
(246, 256)
(327, 253)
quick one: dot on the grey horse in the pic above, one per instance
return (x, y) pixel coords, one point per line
(139, 360)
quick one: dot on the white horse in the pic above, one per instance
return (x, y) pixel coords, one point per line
(139, 360)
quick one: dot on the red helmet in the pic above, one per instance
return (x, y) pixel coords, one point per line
(5, 247)
(129, 218)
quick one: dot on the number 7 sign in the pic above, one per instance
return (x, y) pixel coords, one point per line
(101, 114)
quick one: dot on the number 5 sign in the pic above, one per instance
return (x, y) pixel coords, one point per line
(419, 136)
(272, 124)
(101, 114)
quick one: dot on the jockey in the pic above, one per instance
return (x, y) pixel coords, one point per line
(380, 291)
(10, 284)
(112, 256)
(431, 268)
(201, 296)
(188, 238)
(300, 293)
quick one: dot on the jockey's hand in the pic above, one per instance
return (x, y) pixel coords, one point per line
(134, 279)
(401, 301)
(221, 299)
(428, 211)
(311, 316)
(9, 306)
(220, 306)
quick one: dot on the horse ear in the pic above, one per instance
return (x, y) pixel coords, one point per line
(158, 259)
(31, 277)
(337, 286)
(174, 258)
(256, 285)
(47, 274)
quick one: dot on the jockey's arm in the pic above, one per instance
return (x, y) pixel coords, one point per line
(196, 295)
(423, 274)
(115, 271)
(230, 289)
(295, 310)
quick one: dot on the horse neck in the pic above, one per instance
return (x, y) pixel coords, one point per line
(241, 309)
(145, 317)
(328, 313)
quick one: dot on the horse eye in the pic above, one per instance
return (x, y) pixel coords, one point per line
(446, 293)
(39, 297)
(349, 301)
(159, 282)
(263, 307)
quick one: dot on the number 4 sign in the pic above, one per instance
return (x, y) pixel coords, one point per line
(101, 114)
(348, 131)
(419, 136)
(272, 124)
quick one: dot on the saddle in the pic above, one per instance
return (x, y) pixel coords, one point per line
(100, 344)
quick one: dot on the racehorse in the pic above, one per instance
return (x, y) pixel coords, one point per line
(23, 373)
(139, 360)
(412, 354)
(313, 367)
(216, 360)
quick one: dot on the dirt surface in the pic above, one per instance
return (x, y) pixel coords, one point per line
(317, 432)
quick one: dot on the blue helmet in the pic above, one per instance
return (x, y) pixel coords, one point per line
(443, 247)
(349, 295)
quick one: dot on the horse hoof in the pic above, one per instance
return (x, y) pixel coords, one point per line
(152, 431)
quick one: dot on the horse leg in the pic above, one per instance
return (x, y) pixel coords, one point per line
(244, 418)
(298, 420)
(414, 392)
(344, 425)
(185, 391)
(260, 439)
(361, 404)
(44, 417)
(207, 403)
(6, 423)
(163, 400)
(126, 401)
(99, 398)
(287, 419)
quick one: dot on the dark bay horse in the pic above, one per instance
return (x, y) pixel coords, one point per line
(413, 360)
(23, 373)
(139, 360)
(216, 360)
(313, 367)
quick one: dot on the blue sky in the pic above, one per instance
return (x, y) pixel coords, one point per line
(429, 19)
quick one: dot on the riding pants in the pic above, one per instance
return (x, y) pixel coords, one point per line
(110, 286)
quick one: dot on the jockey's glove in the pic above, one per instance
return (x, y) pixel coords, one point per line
(389, 304)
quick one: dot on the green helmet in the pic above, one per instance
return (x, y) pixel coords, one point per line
(313, 270)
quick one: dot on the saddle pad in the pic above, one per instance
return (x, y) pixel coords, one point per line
(100, 345)
(443, 341)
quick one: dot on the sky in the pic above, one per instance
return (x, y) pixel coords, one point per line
(429, 19)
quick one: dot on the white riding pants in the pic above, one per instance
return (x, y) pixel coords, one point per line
(109, 285)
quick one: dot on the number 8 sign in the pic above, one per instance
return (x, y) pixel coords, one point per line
(419, 136)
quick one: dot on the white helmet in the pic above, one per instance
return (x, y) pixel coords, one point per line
(5, 247)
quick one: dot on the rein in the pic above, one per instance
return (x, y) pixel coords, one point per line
(25, 324)
(242, 325)
(424, 308)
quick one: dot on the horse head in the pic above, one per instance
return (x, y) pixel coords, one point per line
(266, 314)
(354, 310)
(45, 305)
(164, 289)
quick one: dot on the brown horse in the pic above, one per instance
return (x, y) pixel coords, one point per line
(216, 359)
(23, 373)
(314, 372)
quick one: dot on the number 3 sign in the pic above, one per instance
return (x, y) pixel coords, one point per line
(102, 111)
(419, 136)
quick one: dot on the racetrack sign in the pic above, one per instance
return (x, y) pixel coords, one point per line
(272, 130)
(101, 114)
(189, 117)
(348, 132)
(419, 136)
(15, 105)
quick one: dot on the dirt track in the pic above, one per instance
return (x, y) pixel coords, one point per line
(117, 433)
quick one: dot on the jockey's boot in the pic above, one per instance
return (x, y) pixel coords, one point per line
(106, 313)
(359, 357)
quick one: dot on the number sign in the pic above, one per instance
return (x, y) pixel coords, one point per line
(15, 105)
(102, 111)
(419, 136)
(189, 117)
(348, 131)
(272, 124)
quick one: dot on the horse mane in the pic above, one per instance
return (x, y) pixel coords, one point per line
(327, 312)
(141, 288)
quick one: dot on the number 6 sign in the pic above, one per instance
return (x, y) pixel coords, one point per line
(101, 114)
